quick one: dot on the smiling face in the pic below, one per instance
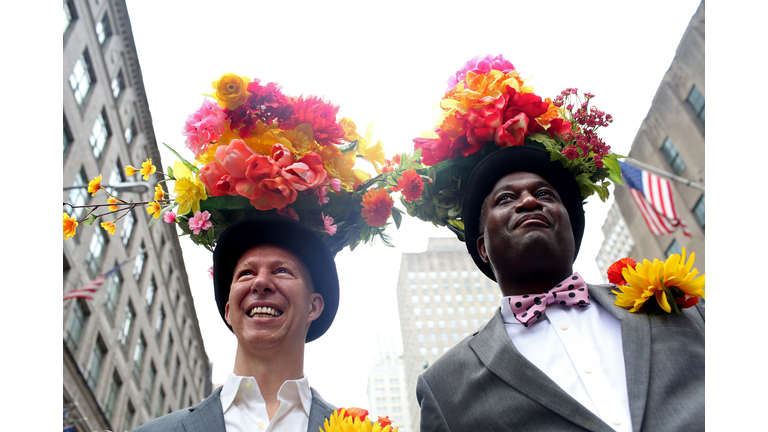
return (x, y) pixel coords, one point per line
(271, 299)
(525, 227)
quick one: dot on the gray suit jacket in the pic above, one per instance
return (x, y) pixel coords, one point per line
(484, 383)
(207, 416)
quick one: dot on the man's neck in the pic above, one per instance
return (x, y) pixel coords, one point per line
(532, 282)
(271, 368)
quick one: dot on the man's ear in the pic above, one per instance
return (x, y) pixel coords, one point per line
(316, 306)
(481, 248)
(226, 314)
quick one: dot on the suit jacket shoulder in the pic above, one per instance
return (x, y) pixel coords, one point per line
(205, 416)
(319, 412)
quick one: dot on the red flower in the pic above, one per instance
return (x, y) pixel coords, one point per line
(384, 421)
(433, 150)
(377, 207)
(614, 271)
(258, 168)
(686, 302)
(265, 103)
(410, 185)
(527, 103)
(306, 173)
(277, 193)
(210, 174)
(356, 412)
(320, 114)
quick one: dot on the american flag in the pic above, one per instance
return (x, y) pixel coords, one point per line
(86, 290)
(653, 196)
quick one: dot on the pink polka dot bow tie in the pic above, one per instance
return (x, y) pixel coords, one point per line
(528, 308)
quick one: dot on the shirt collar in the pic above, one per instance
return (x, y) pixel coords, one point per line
(288, 391)
(506, 312)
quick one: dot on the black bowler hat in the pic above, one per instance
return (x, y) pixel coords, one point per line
(284, 232)
(525, 158)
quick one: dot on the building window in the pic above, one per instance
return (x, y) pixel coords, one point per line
(138, 266)
(674, 248)
(176, 372)
(160, 402)
(416, 311)
(415, 299)
(130, 411)
(68, 138)
(423, 351)
(159, 321)
(435, 350)
(138, 356)
(94, 364)
(125, 232)
(428, 311)
(103, 29)
(113, 291)
(430, 324)
(125, 332)
(168, 350)
(455, 336)
(183, 388)
(419, 325)
(150, 296)
(413, 287)
(118, 85)
(130, 132)
(70, 14)
(150, 382)
(78, 195)
(698, 212)
(114, 390)
(95, 252)
(76, 323)
(669, 151)
(99, 134)
(696, 100)
(81, 79)
(420, 337)
(422, 275)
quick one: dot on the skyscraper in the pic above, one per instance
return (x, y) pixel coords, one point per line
(135, 351)
(442, 298)
(387, 390)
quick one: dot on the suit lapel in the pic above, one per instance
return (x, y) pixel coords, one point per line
(319, 411)
(636, 345)
(497, 352)
(206, 416)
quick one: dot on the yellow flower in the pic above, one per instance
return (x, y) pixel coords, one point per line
(70, 226)
(338, 423)
(112, 200)
(231, 90)
(94, 185)
(649, 279)
(154, 209)
(373, 154)
(350, 130)
(108, 227)
(129, 170)
(188, 189)
(159, 192)
(301, 139)
(147, 168)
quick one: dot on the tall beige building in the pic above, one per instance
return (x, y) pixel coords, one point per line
(671, 138)
(135, 351)
(387, 390)
(442, 298)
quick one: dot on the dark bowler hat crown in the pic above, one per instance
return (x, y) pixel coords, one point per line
(296, 238)
(508, 160)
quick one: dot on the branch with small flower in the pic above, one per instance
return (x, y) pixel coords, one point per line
(257, 150)
(356, 420)
(659, 287)
(488, 106)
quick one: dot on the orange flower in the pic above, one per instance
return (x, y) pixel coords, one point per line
(159, 192)
(384, 421)
(410, 185)
(614, 271)
(377, 207)
(147, 168)
(112, 200)
(108, 227)
(94, 185)
(154, 209)
(70, 226)
(356, 412)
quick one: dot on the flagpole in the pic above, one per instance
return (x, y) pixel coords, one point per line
(670, 176)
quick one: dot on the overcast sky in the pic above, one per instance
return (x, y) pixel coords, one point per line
(388, 62)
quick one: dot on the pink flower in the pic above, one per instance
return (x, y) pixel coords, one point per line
(200, 222)
(234, 156)
(282, 156)
(480, 65)
(211, 174)
(169, 217)
(329, 226)
(203, 126)
(210, 272)
(322, 192)
(336, 185)
(307, 173)
(288, 212)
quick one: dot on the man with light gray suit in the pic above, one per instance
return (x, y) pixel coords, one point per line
(541, 364)
(276, 288)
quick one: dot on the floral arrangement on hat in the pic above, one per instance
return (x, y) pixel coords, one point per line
(488, 106)
(356, 420)
(658, 287)
(258, 150)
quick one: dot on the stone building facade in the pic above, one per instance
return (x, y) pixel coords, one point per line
(387, 390)
(134, 352)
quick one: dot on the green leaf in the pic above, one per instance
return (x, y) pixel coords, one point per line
(614, 169)
(90, 219)
(152, 222)
(397, 216)
(186, 162)
(169, 171)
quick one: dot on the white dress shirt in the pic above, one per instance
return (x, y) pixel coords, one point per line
(580, 350)
(245, 409)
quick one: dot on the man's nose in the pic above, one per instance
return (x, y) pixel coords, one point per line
(262, 283)
(527, 202)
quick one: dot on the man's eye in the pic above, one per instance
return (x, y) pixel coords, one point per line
(503, 197)
(245, 273)
(283, 270)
